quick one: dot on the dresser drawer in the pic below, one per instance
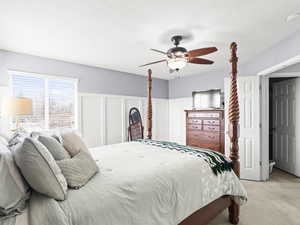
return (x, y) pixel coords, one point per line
(204, 114)
(215, 147)
(195, 127)
(204, 137)
(211, 128)
(194, 121)
(211, 122)
(205, 145)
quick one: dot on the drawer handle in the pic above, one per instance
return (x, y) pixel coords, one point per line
(195, 127)
(211, 137)
(195, 121)
(211, 128)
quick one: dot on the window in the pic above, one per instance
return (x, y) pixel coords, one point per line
(54, 100)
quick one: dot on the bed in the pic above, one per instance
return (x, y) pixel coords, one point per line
(146, 183)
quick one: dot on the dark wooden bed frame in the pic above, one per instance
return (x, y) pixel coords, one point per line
(204, 215)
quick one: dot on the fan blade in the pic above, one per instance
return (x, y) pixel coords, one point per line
(200, 61)
(201, 51)
(153, 62)
(171, 71)
(152, 49)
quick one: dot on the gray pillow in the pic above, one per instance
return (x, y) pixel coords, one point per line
(40, 169)
(73, 143)
(79, 169)
(14, 191)
(50, 133)
(55, 148)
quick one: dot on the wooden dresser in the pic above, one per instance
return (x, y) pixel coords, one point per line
(205, 129)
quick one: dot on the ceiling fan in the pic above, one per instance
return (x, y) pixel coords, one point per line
(178, 57)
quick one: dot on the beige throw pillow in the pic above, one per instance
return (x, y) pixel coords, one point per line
(79, 169)
(73, 143)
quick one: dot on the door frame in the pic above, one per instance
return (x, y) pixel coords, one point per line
(265, 119)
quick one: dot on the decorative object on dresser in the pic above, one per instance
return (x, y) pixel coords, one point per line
(135, 129)
(209, 99)
(205, 129)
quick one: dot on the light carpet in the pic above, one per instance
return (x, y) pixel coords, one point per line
(275, 202)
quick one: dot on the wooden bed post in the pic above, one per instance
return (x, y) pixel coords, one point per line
(149, 111)
(234, 115)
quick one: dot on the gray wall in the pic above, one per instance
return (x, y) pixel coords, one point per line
(97, 80)
(282, 51)
(91, 79)
(183, 87)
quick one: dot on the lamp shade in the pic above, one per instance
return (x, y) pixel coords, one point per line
(12, 106)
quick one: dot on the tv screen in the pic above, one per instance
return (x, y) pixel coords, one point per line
(210, 99)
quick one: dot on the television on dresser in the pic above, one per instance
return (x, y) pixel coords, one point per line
(209, 99)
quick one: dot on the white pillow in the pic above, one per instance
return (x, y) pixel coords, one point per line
(4, 138)
(3, 141)
(13, 188)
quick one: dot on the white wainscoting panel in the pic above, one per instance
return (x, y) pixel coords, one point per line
(103, 119)
(114, 120)
(90, 123)
(177, 131)
(160, 121)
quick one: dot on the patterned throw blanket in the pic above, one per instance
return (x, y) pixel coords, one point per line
(217, 162)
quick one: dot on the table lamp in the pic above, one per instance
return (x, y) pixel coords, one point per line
(15, 106)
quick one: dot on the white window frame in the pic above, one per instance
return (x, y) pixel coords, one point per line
(46, 78)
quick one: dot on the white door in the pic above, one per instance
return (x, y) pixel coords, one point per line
(249, 141)
(284, 124)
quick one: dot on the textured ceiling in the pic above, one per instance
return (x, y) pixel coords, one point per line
(118, 34)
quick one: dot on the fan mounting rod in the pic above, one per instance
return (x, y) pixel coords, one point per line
(176, 39)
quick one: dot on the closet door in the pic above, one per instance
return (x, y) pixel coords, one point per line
(284, 125)
(249, 141)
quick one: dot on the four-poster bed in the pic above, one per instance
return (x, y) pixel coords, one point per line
(207, 213)
(146, 181)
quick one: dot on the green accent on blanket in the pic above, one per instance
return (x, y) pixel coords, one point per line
(217, 161)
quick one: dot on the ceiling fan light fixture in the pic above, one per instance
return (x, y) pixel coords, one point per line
(177, 63)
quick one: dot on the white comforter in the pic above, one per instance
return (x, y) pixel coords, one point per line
(138, 184)
(150, 185)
